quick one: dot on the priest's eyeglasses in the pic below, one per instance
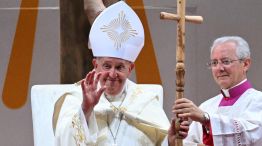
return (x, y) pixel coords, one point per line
(224, 62)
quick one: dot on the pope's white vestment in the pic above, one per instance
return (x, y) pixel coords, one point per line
(237, 125)
(136, 119)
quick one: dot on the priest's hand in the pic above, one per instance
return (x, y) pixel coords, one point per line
(91, 94)
(185, 108)
(183, 131)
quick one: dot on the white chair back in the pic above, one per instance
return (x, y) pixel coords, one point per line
(43, 98)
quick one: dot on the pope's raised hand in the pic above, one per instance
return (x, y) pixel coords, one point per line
(91, 93)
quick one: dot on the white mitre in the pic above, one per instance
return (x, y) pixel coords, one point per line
(117, 32)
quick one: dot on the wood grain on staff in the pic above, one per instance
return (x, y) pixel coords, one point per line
(180, 58)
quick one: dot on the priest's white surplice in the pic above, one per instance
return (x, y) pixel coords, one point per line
(236, 125)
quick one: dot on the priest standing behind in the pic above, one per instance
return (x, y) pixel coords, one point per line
(106, 108)
(234, 117)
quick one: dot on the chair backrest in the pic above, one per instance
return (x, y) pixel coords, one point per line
(43, 99)
(155, 88)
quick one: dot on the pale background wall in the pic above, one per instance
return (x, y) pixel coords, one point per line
(16, 125)
(221, 17)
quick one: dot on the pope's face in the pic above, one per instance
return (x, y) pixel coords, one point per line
(118, 71)
(227, 76)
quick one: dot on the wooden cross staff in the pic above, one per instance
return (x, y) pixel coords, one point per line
(180, 54)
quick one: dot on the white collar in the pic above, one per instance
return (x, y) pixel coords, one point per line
(226, 91)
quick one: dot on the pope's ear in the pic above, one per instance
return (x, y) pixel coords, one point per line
(132, 65)
(94, 62)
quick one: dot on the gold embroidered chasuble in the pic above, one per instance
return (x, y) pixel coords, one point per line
(139, 120)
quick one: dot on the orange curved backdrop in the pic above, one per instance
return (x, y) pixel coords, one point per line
(18, 73)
